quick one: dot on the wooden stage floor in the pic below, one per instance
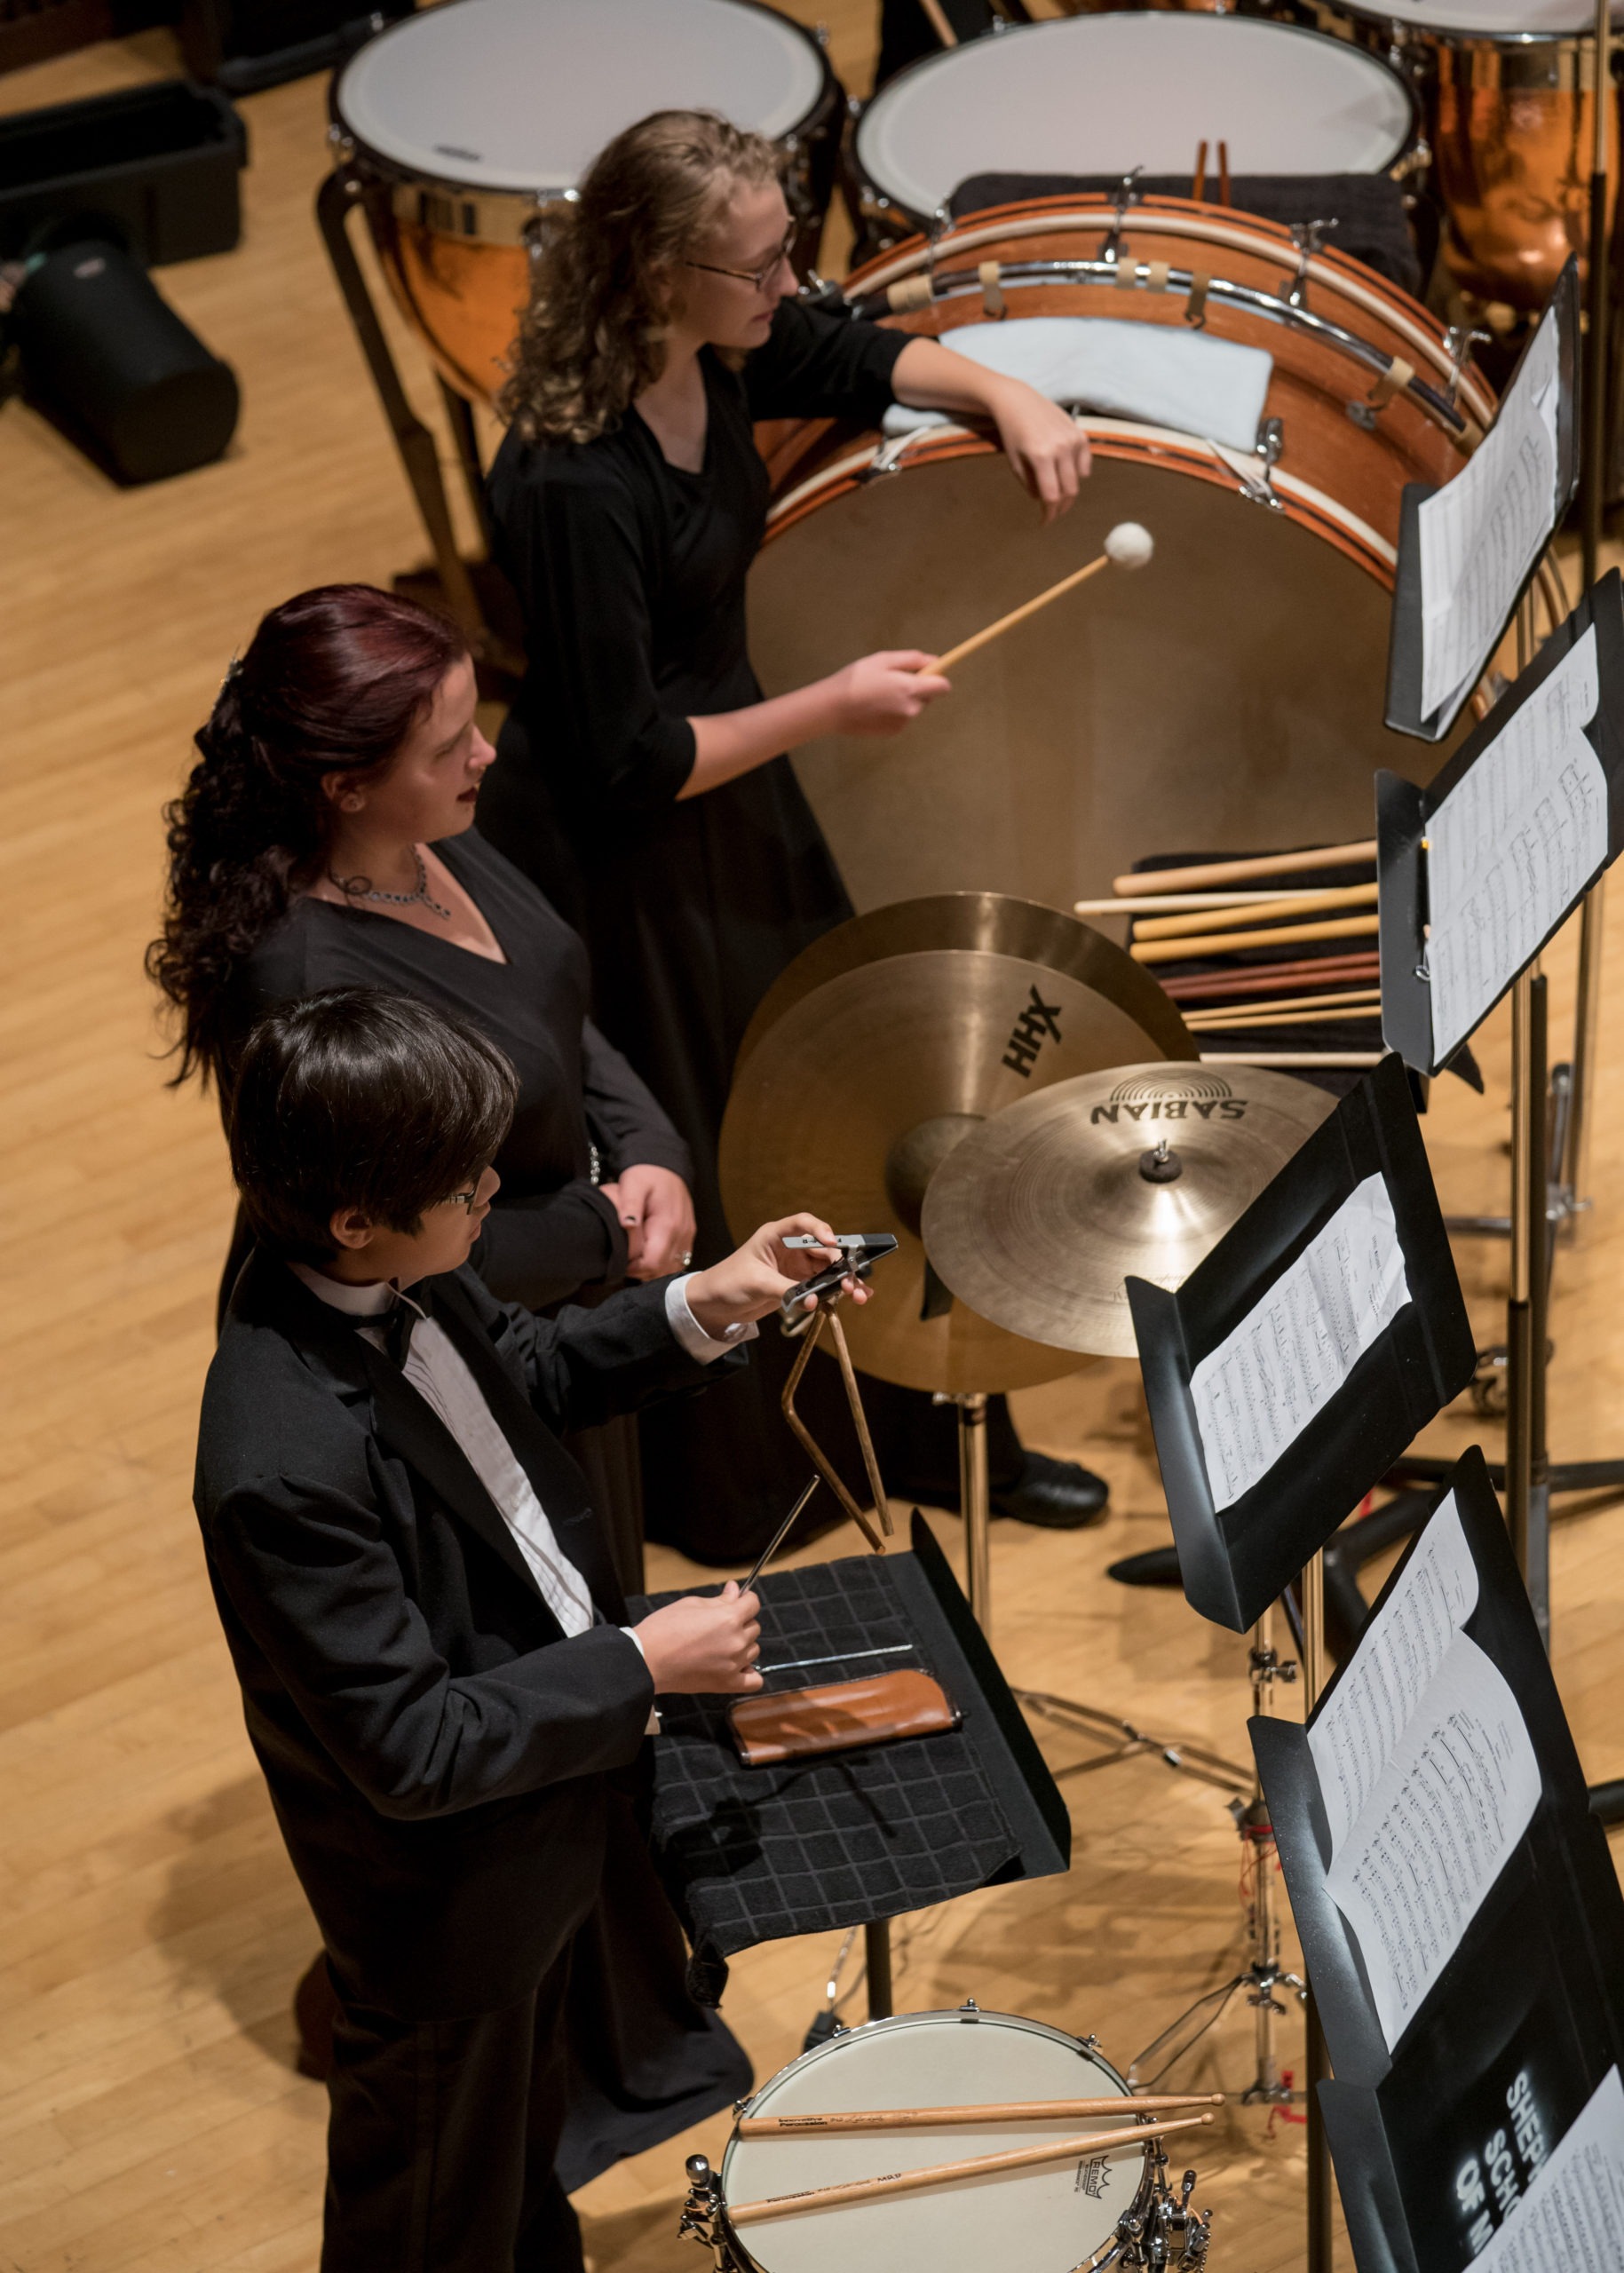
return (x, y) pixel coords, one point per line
(150, 1929)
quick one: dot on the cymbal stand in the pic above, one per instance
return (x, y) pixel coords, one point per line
(1263, 1975)
(1123, 1739)
(809, 1337)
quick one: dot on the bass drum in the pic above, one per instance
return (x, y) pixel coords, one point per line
(460, 126)
(1229, 696)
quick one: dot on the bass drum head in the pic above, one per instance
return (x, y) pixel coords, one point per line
(1226, 698)
(1105, 94)
(1049, 2219)
(522, 94)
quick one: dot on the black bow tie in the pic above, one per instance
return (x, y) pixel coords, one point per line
(396, 1325)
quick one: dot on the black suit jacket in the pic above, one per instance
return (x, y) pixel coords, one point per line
(437, 1750)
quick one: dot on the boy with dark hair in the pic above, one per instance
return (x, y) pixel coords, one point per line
(437, 1673)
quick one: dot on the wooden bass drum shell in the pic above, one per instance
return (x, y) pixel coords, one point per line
(1229, 697)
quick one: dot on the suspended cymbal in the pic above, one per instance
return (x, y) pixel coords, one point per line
(986, 923)
(1040, 1216)
(850, 1091)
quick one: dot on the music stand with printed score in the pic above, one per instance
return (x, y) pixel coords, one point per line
(1462, 1921)
(1303, 1356)
(1284, 1378)
(1468, 552)
(1477, 872)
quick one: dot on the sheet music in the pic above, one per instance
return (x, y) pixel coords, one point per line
(1513, 845)
(1428, 1789)
(1358, 1732)
(1258, 1391)
(1483, 532)
(1572, 2214)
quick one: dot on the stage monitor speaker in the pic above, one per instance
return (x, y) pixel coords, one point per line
(108, 360)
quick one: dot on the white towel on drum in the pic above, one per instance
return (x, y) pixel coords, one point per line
(1166, 374)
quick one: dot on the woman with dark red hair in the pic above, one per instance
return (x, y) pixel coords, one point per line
(324, 839)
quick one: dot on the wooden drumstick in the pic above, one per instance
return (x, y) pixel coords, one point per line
(1126, 546)
(1224, 943)
(906, 2181)
(1255, 1013)
(1204, 872)
(1271, 977)
(920, 2118)
(937, 19)
(1314, 895)
(1330, 1012)
(1318, 903)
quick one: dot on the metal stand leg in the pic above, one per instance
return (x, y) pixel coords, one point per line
(976, 1502)
(1318, 2067)
(335, 201)
(877, 1958)
(1527, 1458)
(465, 434)
(1265, 1975)
(1593, 391)
(1573, 1168)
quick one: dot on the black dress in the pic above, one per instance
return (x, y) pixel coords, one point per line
(552, 1233)
(645, 2062)
(631, 576)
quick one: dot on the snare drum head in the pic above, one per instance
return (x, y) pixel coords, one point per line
(1102, 94)
(522, 94)
(1048, 2219)
(1228, 696)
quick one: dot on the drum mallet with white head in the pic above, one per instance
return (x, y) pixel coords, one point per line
(1126, 546)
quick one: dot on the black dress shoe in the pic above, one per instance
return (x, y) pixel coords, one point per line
(1055, 1495)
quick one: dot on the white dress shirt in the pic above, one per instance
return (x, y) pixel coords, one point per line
(437, 1372)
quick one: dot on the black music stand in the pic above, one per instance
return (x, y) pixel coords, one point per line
(1526, 2019)
(1404, 814)
(1407, 648)
(852, 1837)
(1235, 1560)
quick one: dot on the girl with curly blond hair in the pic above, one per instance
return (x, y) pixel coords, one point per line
(642, 778)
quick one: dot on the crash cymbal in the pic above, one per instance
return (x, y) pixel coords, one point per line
(986, 923)
(847, 1099)
(1039, 1216)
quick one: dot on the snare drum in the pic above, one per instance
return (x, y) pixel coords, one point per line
(460, 125)
(1048, 2218)
(1508, 87)
(1231, 693)
(1105, 94)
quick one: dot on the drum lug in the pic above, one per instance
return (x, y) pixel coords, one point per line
(1308, 236)
(969, 2010)
(820, 32)
(1111, 251)
(1414, 161)
(1460, 339)
(1256, 489)
(702, 2212)
(888, 458)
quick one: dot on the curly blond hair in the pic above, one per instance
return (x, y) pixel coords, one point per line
(593, 334)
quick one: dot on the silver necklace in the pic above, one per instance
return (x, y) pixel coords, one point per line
(363, 888)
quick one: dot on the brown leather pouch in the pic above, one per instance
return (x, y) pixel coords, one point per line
(797, 1724)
